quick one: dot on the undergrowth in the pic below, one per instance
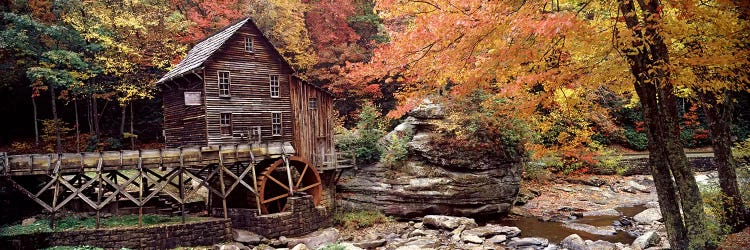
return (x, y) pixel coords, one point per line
(359, 219)
(74, 223)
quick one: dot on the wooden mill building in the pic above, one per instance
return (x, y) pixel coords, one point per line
(235, 87)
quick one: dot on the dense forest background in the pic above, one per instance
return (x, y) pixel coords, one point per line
(98, 60)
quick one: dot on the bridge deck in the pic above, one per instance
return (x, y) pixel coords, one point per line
(40, 164)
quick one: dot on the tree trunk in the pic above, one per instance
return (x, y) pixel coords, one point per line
(36, 123)
(679, 198)
(78, 128)
(132, 131)
(123, 109)
(719, 116)
(95, 110)
(58, 145)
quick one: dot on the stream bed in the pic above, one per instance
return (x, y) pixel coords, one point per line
(556, 231)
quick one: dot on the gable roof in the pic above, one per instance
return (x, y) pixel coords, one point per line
(202, 51)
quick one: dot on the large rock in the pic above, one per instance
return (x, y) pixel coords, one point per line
(492, 230)
(646, 240)
(601, 245)
(437, 176)
(573, 242)
(246, 237)
(606, 230)
(313, 240)
(448, 222)
(648, 216)
(528, 242)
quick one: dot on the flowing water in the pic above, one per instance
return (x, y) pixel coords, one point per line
(556, 232)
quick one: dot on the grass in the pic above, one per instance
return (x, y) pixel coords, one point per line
(335, 246)
(75, 223)
(359, 219)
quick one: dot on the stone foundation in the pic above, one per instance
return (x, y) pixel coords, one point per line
(203, 233)
(301, 217)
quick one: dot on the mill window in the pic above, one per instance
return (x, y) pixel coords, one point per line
(276, 123)
(274, 86)
(224, 82)
(226, 124)
(249, 44)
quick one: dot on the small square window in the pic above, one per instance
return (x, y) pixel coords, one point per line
(274, 86)
(224, 82)
(276, 123)
(249, 44)
(313, 103)
(225, 122)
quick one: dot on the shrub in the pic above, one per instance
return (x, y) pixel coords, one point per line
(363, 140)
(397, 150)
(359, 219)
(536, 171)
(49, 133)
(741, 151)
(714, 206)
(335, 246)
(636, 140)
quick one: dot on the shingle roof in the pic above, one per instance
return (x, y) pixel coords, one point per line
(202, 51)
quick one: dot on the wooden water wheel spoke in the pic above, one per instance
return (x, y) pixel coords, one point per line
(301, 176)
(309, 187)
(273, 194)
(276, 198)
(277, 182)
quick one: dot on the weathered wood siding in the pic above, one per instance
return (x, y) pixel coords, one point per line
(250, 103)
(313, 127)
(183, 125)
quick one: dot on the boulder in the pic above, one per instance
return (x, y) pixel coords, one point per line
(369, 244)
(638, 186)
(230, 246)
(606, 230)
(492, 230)
(601, 245)
(437, 176)
(648, 216)
(573, 242)
(471, 238)
(648, 239)
(528, 242)
(300, 247)
(448, 222)
(313, 240)
(423, 242)
(246, 237)
(604, 212)
(497, 239)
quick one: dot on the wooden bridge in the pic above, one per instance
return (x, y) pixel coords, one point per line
(101, 178)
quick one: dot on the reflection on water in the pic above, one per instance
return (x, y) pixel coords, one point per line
(556, 232)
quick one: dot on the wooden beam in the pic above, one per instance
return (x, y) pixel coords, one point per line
(27, 193)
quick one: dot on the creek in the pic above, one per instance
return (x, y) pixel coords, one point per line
(556, 231)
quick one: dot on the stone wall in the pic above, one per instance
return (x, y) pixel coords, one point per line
(203, 233)
(300, 217)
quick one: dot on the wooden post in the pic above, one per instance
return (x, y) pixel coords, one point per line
(288, 173)
(182, 187)
(56, 193)
(221, 182)
(140, 188)
(99, 190)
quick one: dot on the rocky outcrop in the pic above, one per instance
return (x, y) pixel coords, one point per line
(436, 177)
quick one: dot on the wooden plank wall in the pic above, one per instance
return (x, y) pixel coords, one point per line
(250, 103)
(183, 125)
(313, 128)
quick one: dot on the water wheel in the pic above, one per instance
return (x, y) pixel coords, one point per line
(273, 184)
